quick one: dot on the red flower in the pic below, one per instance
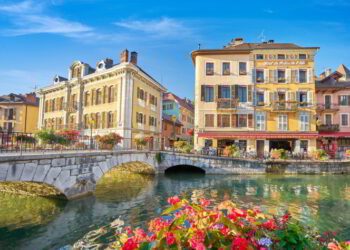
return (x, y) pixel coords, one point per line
(204, 202)
(269, 225)
(239, 244)
(130, 244)
(173, 200)
(170, 238)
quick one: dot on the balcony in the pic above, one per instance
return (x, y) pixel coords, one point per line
(328, 127)
(329, 107)
(71, 107)
(227, 103)
(285, 106)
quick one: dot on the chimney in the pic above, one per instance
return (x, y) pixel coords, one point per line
(238, 41)
(271, 41)
(30, 97)
(327, 72)
(108, 63)
(133, 57)
(124, 56)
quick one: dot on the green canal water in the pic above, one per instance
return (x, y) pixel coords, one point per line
(38, 223)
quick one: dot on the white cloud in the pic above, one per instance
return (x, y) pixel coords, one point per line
(27, 18)
(159, 28)
(269, 11)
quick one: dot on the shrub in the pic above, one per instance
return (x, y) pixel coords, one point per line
(320, 155)
(231, 151)
(49, 137)
(183, 146)
(108, 141)
(279, 154)
(187, 225)
(25, 138)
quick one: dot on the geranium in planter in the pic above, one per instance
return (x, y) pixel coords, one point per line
(320, 155)
(278, 154)
(231, 151)
(108, 141)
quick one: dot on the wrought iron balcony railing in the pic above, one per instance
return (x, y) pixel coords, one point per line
(227, 103)
(285, 106)
(328, 127)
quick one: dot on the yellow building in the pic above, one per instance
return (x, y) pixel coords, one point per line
(259, 96)
(19, 113)
(120, 98)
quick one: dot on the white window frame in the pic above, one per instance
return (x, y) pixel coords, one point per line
(260, 122)
(304, 126)
(282, 124)
(324, 118)
(341, 120)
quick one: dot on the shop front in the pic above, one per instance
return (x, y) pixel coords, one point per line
(334, 142)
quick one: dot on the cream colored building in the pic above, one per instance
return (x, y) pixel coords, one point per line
(120, 98)
(259, 96)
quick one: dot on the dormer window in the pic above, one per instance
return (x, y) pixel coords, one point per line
(100, 65)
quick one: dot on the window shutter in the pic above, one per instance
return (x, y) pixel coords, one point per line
(288, 75)
(250, 120)
(348, 100)
(309, 76)
(297, 76)
(254, 98)
(339, 100)
(275, 75)
(219, 120)
(266, 75)
(254, 75)
(233, 91)
(216, 92)
(292, 96)
(250, 98)
(234, 120)
(310, 98)
(266, 97)
(202, 92)
(219, 91)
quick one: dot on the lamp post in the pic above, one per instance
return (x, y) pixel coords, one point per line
(173, 119)
(92, 123)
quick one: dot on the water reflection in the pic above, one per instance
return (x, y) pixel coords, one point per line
(38, 223)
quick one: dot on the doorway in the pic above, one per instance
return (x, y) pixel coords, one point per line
(282, 144)
(260, 144)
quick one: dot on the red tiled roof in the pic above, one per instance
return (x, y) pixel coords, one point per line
(182, 102)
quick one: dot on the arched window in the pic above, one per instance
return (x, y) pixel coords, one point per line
(109, 119)
(98, 96)
(111, 94)
(98, 121)
(87, 99)
(53, 105)
(46, 107)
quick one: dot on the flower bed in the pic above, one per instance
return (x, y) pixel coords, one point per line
(199, 226)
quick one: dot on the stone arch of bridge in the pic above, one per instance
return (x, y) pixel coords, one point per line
(32, 189)
(191, 168)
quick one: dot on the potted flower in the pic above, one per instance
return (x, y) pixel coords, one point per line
(231, 151)
(319, 155)
(278, 154)
(108, 141)
(140, 141)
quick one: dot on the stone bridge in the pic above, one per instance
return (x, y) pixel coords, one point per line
(75, 174)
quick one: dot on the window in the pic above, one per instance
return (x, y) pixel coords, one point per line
(153, 100)
(283, 122)
(141, 94)
(281, 56)
(260, 99)
(328, 119)
(242, 120)
(260, 121)
(302, 56)
(207, 93)
(152, 121)
(259, 75)
(223, 121)
(98, 97)
(87, 99)
(226, 68)
(302, 75)
(209, 69)
(304, 122)
(140, 118)
(242, 93)
(281, 75)
(224, 92)
(110, 120)
(259, 57)
(242, 68)
(302, 98)
(304, 145)
(344, 100)
(209, 120)
(111, 94)
(344, 120)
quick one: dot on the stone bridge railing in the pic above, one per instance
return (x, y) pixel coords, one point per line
(75, 174)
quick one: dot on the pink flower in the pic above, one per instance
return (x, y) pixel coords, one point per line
(333, 246)
(240, 243)
(130, 244)
(170, 238)
(173, 200)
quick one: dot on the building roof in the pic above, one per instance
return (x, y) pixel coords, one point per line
(238, 46)
(29, 99)
(335, 80)
(182, 101)
(167, 118)
(342, 69)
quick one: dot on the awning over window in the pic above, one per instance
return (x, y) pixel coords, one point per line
(258, 135)
(333, 134)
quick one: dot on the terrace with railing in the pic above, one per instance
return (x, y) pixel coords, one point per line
(227, 103)
(328, 127)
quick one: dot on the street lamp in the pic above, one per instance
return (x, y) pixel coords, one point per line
(92, 123)
(174, 118)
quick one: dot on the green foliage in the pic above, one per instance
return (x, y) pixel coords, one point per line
(279, 154)
(25, 138)
(232, 151)
(159, 157)
(183, 146)
(320, 155)
(50, 137)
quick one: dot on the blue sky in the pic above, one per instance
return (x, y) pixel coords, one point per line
(39, 39)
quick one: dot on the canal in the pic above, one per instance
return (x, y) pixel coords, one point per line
(38, 223)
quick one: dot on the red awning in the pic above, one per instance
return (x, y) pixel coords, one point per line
(258, 135)
(334, 134)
